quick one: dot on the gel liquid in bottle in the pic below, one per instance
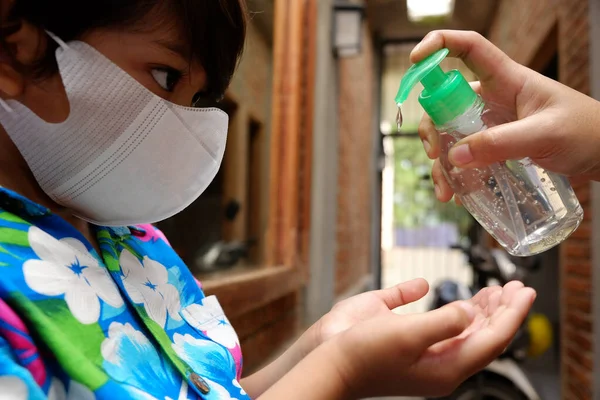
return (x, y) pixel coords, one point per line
(526, 209)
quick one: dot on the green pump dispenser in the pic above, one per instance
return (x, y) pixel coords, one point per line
(446, 95)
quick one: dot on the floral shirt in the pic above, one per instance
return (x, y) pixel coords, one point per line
(130, 323)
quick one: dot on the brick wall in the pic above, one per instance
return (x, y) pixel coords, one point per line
(356, 105)
(520, 28)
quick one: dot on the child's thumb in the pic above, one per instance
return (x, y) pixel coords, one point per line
(529, 137)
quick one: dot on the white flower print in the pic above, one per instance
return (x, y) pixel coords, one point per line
(217, 392)
(237, 385)
(147, 284)
(210, 318)
(13, 388)
(131, 358)
(76, 391)
(67, 268)
(206, 358)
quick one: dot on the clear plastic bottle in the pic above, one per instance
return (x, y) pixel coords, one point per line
(527, 209)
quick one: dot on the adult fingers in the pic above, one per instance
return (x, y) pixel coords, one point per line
(478, 53)
(443, 192)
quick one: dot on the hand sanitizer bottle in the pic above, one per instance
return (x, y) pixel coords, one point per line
(526, 209)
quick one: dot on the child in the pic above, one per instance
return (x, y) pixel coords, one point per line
(99, 138)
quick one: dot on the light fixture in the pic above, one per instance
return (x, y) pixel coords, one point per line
(347, 28)
(429, 10)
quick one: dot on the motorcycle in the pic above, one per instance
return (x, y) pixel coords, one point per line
(504, 378)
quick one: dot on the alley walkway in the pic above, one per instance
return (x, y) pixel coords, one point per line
(433, 264)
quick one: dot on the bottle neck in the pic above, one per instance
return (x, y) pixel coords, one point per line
(468, 122)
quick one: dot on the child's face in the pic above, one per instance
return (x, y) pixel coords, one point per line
(155, 57)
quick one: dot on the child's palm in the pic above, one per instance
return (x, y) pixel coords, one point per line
(432, 353)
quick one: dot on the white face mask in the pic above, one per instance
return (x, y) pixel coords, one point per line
(124, 156)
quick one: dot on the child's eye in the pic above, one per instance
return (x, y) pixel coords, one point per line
(167, 78)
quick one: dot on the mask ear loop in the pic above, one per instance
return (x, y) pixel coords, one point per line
(58, 40)
(61, 43)
(5, 106)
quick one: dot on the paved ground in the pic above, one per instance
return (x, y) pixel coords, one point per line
(434, 264)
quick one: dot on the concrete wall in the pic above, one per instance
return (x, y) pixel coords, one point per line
(319, 292)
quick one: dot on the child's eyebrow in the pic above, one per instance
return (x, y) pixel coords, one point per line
(175, 47)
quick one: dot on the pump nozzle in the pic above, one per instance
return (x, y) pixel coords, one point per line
(428, 71)
(446, 95)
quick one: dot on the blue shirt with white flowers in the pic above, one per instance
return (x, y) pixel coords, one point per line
(129, 323)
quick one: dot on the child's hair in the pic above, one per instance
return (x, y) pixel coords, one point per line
(215, 30)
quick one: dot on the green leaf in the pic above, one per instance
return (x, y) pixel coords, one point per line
(103, 234)
(14, 236)
(111, 262)
(6, 216)
(75, 345)
(163, 340)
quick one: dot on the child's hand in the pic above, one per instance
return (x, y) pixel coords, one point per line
(556, 126)
(429, 354)
(344, 315)
(366, 306)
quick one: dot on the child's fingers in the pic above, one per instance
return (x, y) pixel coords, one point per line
(435, 326)
(403, 293)
(468, 354)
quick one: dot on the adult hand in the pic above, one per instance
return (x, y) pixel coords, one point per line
(554, 125)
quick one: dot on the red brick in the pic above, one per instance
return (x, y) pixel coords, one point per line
(578, 285)
(580, 268)
(582, 359)
(580, 340)
(580, 304)
(584, 231)
(575, 248)
(583, 191)
(580, 378)
(577, 392)
(579, 321)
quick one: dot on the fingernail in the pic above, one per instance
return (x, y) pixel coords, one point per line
(468, 309)
(533, 296)
(460, 155)
(417, 47)
(426, 145)
(438, 191)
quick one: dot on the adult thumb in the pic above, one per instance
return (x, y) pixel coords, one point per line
(444, 323)
(529, 137)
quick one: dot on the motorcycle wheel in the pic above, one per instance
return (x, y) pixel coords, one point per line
(488, 389)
